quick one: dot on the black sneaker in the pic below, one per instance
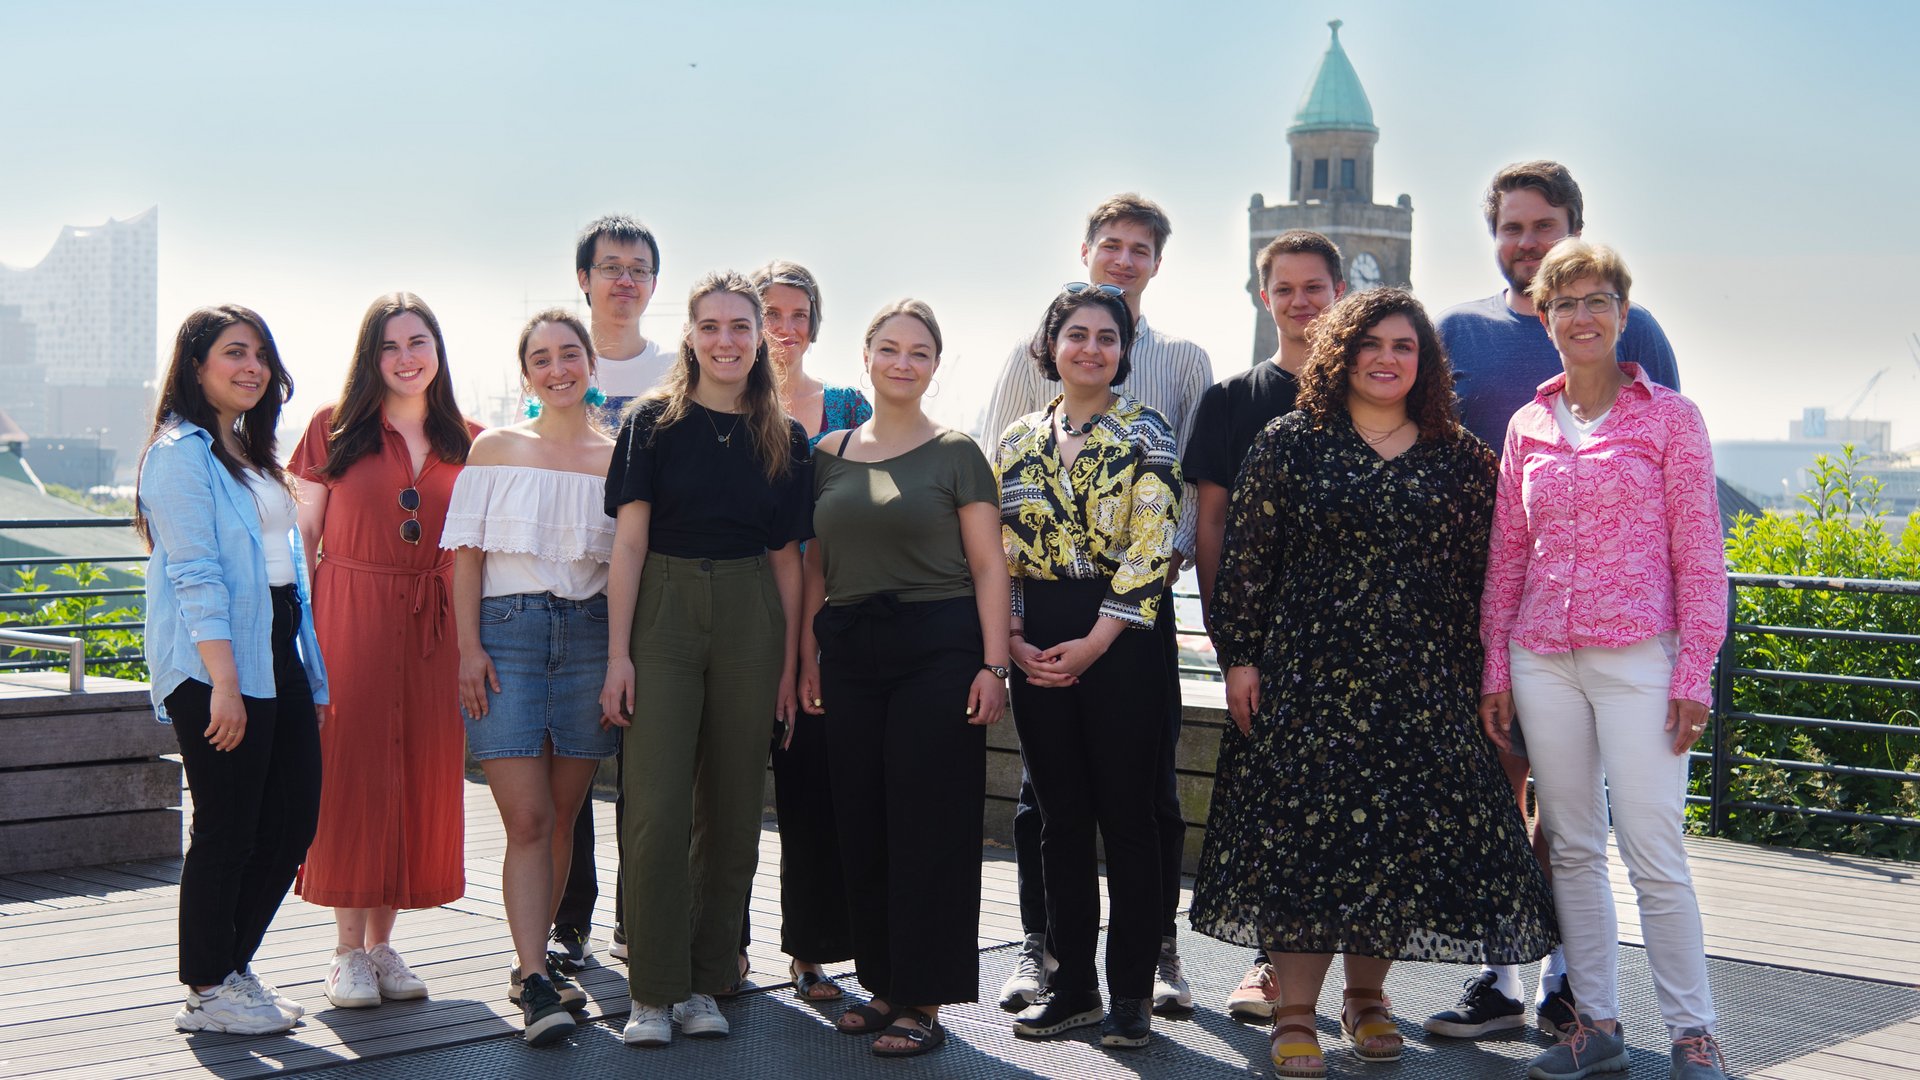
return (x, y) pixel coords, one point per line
(1128, 1023)
(1554, 1014)
(568, 949)
(1061, 1012)
(1481, 1010)
(548, 1021)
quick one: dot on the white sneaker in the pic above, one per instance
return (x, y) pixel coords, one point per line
(351, 981)
(238, 1006)
(1031, 974)
(1170, 990)
(397, 981)
(285, 1004)
(699, 1016)
(618, 950)
(647, 1025)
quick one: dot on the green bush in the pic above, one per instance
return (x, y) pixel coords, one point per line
(106, 649)
(1842, 533)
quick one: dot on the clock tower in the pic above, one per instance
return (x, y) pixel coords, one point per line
(1330, 190)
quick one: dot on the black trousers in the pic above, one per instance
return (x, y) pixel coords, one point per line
(909, 778)
(1094, 752)
(813, 891)
(583, 883)
(1170, 819)
(255, 809)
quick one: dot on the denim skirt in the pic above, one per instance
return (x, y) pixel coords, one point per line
(551, 656)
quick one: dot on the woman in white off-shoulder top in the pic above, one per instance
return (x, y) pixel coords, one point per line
(530, 606)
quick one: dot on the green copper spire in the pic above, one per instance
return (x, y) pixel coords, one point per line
(1334, 100)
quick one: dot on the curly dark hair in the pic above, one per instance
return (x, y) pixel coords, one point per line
(1335, 340)
(1065, 304)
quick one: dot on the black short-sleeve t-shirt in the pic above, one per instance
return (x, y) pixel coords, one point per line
(709, 493)
(1232, 412)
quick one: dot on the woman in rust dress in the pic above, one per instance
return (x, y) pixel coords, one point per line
(376, 474)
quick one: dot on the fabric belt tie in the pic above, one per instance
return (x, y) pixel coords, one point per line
(429, 589)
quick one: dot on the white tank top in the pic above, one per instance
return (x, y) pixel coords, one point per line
(276, 524)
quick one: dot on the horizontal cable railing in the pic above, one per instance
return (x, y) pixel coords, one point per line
(18, 600)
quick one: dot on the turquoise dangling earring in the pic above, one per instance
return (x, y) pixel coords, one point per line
(533, 406)
(594, 397)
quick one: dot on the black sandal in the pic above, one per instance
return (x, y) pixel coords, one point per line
(872, 1021)
(926, 1038)
(806, 982)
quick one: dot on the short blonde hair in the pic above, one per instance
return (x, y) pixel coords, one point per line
(1572, 259)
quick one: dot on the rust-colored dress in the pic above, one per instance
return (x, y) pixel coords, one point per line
(392, 749)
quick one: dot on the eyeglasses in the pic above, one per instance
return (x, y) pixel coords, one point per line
(615, 271)
(1075, 288)
(1598, 303)
(410, 502)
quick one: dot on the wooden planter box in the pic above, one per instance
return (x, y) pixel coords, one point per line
(82, 777)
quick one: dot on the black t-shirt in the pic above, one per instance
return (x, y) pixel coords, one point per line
(1232, 413)
(710, 499)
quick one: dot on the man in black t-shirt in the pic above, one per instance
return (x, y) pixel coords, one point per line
(1299, 276)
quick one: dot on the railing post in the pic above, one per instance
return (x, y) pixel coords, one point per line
(1722, 705)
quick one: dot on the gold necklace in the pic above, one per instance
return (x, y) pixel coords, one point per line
(1377, 438)
(723, 440)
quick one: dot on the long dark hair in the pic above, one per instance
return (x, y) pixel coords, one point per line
(182, 398)
(355, 430)
(1335, 341)
(760, 407)
(1042, 347)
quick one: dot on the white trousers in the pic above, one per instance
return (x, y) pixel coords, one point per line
(1595, 727)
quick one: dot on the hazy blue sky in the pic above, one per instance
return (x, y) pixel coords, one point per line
(1755, 162)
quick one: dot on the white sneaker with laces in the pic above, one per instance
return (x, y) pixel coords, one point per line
(397, 981)
(647, 1025)
(352, 982)
(238, 1006)
(1032, 972)
(1170, 990)
(285, 1004)
(699, 1016)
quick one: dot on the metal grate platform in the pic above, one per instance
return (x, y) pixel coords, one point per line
(774, 1034)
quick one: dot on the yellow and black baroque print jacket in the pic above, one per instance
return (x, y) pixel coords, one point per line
(1111, 516)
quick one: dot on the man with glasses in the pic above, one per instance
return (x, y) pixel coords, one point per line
(617, 262)
(1125, 239)
(1500, 354)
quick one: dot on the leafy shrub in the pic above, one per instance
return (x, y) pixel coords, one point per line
(107, 649)
(1842, 533)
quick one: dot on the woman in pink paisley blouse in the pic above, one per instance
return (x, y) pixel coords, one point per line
(1605, 605)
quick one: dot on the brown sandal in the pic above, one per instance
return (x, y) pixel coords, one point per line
(1364, 1029)
(1281, 1048)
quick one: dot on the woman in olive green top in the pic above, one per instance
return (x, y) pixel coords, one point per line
(909, 652)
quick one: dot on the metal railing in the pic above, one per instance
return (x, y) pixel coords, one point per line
(70, 638)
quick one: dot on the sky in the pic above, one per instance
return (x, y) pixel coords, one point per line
(1754, 162)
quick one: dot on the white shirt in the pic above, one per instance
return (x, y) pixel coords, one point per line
(1575, 429)
(629, 378)
(275, 503)
(544, 530)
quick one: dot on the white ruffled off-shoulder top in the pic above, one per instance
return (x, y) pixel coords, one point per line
(544, 530)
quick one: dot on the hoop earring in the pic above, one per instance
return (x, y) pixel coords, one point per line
(933, 388)
(864, 384)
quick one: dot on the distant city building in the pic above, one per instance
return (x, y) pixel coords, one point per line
(1775, 472)
(1330, 190)
(79, 338)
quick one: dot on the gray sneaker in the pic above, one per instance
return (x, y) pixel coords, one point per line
(1696, 1056)
(1032, 974)
(1582, 1052)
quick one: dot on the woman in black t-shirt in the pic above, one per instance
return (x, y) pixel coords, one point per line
(710, 491)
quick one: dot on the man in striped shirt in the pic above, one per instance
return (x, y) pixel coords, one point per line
(1125, 239)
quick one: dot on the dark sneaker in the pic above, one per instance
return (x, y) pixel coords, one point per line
(1554, 1014)
(548, 1021)
(1696, 1056)
(1061, 1012)
(568, 949)
(1583, 1051)
(570, 995)
(1481, 1010)
(1129, 1023)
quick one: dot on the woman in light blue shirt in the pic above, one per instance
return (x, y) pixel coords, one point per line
(234, 664)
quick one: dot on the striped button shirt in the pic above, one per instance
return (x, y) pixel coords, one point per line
(1169, 375)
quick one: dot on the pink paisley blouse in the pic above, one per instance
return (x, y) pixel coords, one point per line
(1609, 544)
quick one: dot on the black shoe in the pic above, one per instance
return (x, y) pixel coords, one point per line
(1128, 1023)
(548, 1021)
(1482, 1010)
(568, 949)
(1061, 1012)
(1554, 1013)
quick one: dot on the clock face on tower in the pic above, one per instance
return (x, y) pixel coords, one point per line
(1364, 273)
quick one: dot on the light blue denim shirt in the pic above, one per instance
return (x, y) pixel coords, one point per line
(207, 577)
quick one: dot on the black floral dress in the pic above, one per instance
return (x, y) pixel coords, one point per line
(1366, 813)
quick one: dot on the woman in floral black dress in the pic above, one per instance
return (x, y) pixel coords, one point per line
(1365, 815)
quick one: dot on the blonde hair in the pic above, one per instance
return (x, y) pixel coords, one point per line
(1572, 259)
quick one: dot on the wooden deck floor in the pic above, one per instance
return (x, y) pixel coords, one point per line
(87, 985)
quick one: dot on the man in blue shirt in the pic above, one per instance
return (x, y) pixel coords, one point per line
(1500, 354)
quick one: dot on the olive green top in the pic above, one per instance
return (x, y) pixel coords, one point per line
(893, 526)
